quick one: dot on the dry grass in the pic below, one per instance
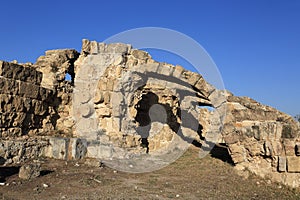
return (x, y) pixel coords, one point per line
(187, 178)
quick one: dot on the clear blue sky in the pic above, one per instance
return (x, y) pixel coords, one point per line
(255, 44)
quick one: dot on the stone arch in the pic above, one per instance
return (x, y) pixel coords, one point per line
(121, 83)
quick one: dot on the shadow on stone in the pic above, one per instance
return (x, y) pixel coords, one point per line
(221, 152)
(45, 172)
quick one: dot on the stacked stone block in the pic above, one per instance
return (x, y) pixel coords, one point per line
(262, 140)
(19, 150)
(24, 104)
(259, 138)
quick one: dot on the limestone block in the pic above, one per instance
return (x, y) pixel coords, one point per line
(85, 46)
(156, 83)
(118, 61)
(281, 164)
(164, 69)
(87, 73)
(277, 147)
(237, 153)
(5, 70)
(254, 148)
(150, 67)
(30, 171)
(18, 72)
(217, 98)
(108, 124)
(118, 48)
(29, 75)
(204, 87)
(178, 71)
(82, 97)
(116, 103)
(77, 148)
(58, 148)
(140, 54)
(101, 47)
(93, 47)
(191, 77)
(8, 86)
(232, 137)
(116, 123)
(132, 62)
(100, 151)
(268, 148)
(289, 147)
(278, 131)
(29, 90)
(293, 164)
(85, 127)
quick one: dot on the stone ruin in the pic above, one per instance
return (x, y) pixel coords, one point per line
(120, 102)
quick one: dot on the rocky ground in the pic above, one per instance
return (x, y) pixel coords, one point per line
(212, 177)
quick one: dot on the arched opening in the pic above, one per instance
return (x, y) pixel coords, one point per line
(154, 110)
(142, 117)
(68, 77)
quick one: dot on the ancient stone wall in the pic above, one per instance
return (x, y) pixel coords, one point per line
(117, 87)
(262, 140)
(26, 112)
(120, 102)
(55, 65)
(25, 106)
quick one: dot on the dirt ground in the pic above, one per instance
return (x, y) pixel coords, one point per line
(190, 177)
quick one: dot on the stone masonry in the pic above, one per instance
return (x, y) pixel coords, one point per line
(25, 105)
(120, 102)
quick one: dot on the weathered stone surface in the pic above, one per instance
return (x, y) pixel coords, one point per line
(17, 151)
(282, 164)
(9, 86)
(254, 133)
(18, 72)
(54, 66)
(99, 151)
(30, 171)
(139, 54)
(66, 148)
(58, 148)
(110, 96)
(289, 147)
(77, 148)
(29, 90)
(237, 153)
(293, 164)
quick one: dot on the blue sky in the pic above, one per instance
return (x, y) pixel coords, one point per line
(255, 44)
